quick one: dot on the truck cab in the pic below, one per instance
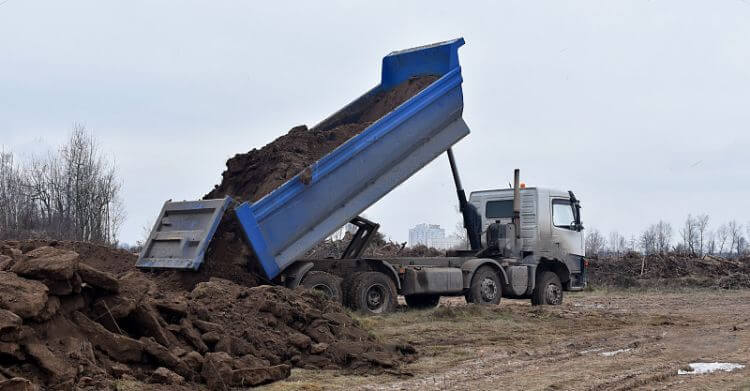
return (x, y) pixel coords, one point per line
(551, 232)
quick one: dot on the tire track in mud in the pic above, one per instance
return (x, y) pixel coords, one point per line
(500, 366)
(656, 338)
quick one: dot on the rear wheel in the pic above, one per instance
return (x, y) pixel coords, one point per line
(485, 287)
(323, 282)
(422, 301)
(371, 293)
(548, 290)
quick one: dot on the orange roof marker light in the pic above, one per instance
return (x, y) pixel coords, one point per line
(523, 185)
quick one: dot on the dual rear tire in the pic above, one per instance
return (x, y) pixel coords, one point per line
(368, 292)
(371, 293)
(325, 283)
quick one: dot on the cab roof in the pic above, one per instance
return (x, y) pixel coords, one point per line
(550, 191)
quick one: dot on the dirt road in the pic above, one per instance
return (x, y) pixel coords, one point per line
(595, 341)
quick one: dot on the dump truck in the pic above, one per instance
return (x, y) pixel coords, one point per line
(524, 242)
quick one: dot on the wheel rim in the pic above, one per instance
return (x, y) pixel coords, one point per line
(325, 289)
(553, 294)
(375, 297)
(488, 289)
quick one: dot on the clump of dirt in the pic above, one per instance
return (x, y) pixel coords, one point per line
(102, 257)
(669, 271)
(67, 325)
(250, 176)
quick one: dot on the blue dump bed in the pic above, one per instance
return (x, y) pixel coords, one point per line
(290, 220)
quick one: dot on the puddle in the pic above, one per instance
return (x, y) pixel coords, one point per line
(699, 368)
(610, 354)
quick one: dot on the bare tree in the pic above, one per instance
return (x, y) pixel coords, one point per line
(16, 208)
(647, 241)
(72, 194)
(632, 244)
(617, 243)
(663, 232)
(460, 234)
(710, 242)
(689, 234)
(702, 226)
(735, 235)
(595, 242)
(722, 235)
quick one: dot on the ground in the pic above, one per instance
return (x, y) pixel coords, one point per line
(518, 347)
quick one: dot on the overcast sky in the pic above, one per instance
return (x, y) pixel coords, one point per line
(641, 107)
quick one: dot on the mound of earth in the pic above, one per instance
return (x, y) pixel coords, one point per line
(67, 325)
(669, 270)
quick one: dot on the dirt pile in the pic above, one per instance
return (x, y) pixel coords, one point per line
(669, 270)
(379, 247)
(65, 324)
(250, 176)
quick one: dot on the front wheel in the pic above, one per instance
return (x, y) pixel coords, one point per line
(485, 287)
(548, 290)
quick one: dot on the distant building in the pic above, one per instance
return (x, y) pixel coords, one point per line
(431, 235)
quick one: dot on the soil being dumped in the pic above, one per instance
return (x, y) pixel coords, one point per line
(252, 175)
(65, 324)
(249, 176)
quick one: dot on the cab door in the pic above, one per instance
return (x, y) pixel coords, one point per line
(566, 239)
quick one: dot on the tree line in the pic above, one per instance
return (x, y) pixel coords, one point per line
(72, 193)
(695, 238)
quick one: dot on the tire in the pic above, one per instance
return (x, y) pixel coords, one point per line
(548, 290)
(326, 283)
(485, 288)
(422, 301)
(371, 293)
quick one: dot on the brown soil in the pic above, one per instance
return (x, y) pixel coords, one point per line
(77, 315)
(65, 324)
(669, 270)
(250, 176)
(514, 346)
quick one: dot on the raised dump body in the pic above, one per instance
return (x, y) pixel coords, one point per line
(291, 219)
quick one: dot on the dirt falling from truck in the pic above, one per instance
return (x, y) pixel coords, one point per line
(250, 176)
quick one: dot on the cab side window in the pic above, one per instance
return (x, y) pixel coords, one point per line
(562, 214)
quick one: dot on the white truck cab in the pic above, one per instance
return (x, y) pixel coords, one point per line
(550, 228)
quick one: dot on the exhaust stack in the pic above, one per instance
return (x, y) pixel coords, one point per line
(517, 201)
